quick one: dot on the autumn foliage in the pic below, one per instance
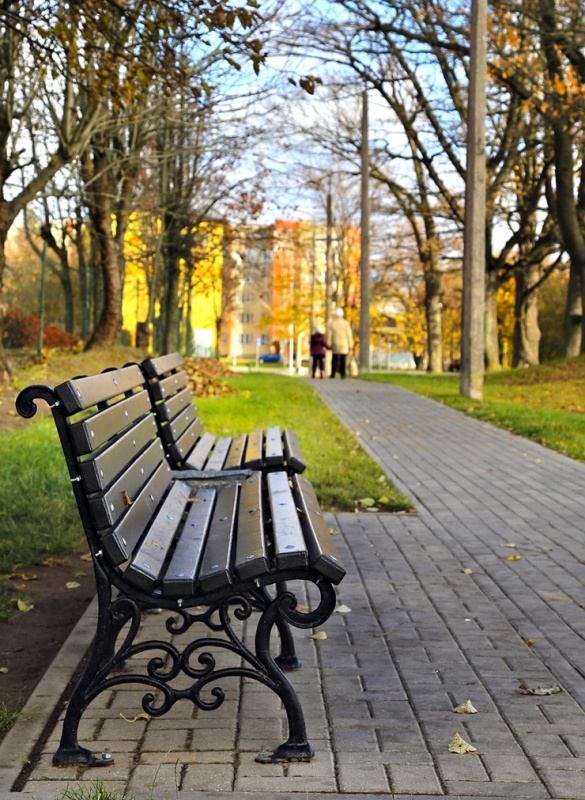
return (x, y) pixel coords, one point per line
(22, 330)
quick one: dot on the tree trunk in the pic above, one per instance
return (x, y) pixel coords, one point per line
(99, 202)
(492, 339)
(107, 330)
(526, 328)
(171, 302)
(6, 365)
(573, 321)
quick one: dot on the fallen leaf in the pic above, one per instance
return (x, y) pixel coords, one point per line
(126, 499)
(513, 558)
(459, 745)
(539, 691)
(86, 557)
(301, 607)
(52, 562)
(4, 670)
(319, 636)
(23, 606)
(144, 715)
(342, 609)
(468, 571)
(72, 585)
(465, 708)
(510, 544)
(387, 633)
(383, 501)
(23, 576)
(367, 502)
(333, 532)
(529, 642)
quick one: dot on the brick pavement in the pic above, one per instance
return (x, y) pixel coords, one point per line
(422, 636)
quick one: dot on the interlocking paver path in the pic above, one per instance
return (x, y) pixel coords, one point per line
(422, 636)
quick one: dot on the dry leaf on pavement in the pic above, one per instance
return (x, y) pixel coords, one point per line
(459, 745)
(342, 609)
(540, 691)
(466, 708)
(72, 585)
(319, 636)
(144, 715)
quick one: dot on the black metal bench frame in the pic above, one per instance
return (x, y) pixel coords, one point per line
(130, 503)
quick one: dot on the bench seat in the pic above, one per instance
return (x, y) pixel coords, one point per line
(189, 446)
(194, 547)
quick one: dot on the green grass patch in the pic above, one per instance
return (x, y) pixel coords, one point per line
(38, 514)
(544, 403)
(337, 466)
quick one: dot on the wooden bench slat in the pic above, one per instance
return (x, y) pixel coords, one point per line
(273, 447)
(322, 551)
(200, 453)
(119, 542)
(107, 508)
(254, 455)
(215, 569)
(172, 431)
(91, 433)
(292, 451)
(146, 568)
(100, 470)
(168, 409)
(289, 542)
(181, 575)
(217, 459)
(167, 387)
(235, 457)
(251, 549)
(188, 440)
(155, 367)
(81, 393)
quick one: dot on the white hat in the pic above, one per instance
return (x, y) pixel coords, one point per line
(338, 312)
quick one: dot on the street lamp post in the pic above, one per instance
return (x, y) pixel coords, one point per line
(473, 311)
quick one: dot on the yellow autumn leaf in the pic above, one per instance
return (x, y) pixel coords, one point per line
(144, 715)
(513, 558)
(459, 745)
(72, 585)
(4, 670)
(465, 708)
(318, 636)
(23, 606)
(468, 571)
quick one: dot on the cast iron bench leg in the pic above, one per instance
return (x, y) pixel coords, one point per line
(287, 658)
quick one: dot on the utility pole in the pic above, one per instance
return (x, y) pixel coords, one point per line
(473, 311)
(364, 358)
(328, 253)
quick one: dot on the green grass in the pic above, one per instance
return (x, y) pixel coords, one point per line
(337, 466)
(8, 717)
(38, 515)
(544, 403)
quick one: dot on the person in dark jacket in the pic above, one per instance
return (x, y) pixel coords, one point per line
(318, 347)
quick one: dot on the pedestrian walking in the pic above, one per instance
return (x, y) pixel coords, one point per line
(317, 350)
(340, 340)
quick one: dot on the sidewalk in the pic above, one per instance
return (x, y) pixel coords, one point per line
(422, 636)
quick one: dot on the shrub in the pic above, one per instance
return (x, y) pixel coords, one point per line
(22, 330)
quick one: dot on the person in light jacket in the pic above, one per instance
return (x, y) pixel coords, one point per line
(340, 340)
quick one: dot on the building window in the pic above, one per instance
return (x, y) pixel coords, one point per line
(246, 318)
(245, 338)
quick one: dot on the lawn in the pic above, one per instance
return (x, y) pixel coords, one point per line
(544, 403)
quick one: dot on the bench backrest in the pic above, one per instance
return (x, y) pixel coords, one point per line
(188, 444)
(115, 458)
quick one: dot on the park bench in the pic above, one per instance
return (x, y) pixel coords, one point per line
(189, 446)
(215, 551)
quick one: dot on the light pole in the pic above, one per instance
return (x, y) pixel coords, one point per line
(473, 311)
(364, 356)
